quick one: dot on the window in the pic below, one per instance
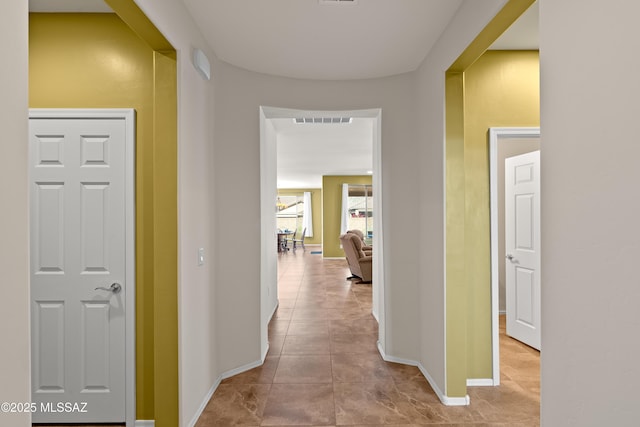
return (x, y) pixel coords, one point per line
(290, 212)
(360, 210)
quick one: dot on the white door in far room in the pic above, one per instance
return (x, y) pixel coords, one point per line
(522, 247)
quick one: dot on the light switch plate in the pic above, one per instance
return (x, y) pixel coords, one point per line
(200, 256)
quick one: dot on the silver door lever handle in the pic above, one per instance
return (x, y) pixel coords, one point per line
(509, 257)
(115, 288)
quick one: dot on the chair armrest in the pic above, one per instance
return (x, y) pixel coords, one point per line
(365, 259)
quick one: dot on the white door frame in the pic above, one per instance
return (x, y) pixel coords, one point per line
(268, 195)
(495, 134)
(130, 220)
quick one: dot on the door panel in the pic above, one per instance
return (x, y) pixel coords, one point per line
(524, 219)
(95, 346)
(48, 339)
(524, 289)
(78, 244)
(94, 199)
(48, 210)
(522, 246)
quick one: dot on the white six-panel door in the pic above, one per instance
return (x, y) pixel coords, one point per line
(78, 262)
(522, 247)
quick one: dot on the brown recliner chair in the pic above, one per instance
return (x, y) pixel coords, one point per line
(368, 250)
(359, 262)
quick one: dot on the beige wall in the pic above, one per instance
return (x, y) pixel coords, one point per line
(15, 356)
(590, 210)
(239, 94)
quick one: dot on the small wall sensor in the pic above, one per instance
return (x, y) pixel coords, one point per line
(201, 64)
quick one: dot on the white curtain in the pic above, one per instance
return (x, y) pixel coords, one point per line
(307, 218)
(344, 215)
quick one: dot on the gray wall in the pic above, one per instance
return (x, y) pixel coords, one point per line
(14, 253)
(239, 94)
(589, 56)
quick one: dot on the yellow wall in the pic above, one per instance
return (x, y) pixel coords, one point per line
(501, 89)
(316, 211)
(96, 61)
(456, 307)
(165, 231)
(331, 207)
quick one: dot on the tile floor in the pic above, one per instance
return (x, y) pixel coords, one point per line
(323, 367)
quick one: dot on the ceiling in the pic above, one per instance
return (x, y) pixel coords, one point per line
(331, 40)
(328, 40)
(314, 39)
(523, 34)
(323, 39)
(306, 152)
(85, 6)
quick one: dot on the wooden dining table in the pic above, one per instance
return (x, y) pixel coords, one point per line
(282, 240)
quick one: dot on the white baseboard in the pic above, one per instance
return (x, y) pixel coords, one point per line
(213, 388)
(145, 423)
(446, 400)
(264, 355)
(394, 359)
(275, 308)
(480, 382)
(204, 402)
(241, 369)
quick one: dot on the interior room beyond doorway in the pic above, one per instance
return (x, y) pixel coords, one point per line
(369, 122)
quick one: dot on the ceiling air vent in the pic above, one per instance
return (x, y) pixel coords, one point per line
(322, 120)
(338, 1)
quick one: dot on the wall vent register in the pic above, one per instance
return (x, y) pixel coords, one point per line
(323, 120)
(338, 1)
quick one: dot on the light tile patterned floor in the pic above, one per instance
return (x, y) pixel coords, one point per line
(323, 367)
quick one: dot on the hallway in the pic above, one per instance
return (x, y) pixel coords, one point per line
(323, 367)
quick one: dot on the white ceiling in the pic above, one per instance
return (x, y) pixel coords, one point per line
(310, 39)
(307, 39)
(306, 152)
(523, 34)
(319, 40)
(86, 6)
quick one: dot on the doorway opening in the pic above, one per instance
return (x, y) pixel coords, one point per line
(503, 143)
(268, 198)
(469, 354)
